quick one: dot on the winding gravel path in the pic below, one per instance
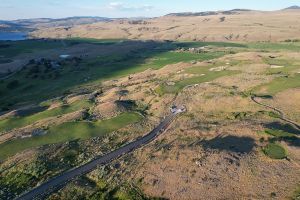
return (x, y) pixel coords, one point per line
(281, 114)
(45, 189)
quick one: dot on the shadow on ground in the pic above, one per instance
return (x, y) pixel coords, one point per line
(283, 127)
(229, 143)
(290, 138)
(292, 141)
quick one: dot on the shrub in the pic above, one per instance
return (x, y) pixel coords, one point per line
(13, 84)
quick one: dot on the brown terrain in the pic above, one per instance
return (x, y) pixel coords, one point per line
(215, 150)
(233, 25)
(207, 153)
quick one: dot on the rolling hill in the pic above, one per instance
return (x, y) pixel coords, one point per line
(234, 25)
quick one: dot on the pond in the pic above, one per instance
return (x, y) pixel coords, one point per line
(13, 36)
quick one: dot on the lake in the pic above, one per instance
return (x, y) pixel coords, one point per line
(14, 36)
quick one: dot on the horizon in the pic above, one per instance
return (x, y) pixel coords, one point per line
(34, 9)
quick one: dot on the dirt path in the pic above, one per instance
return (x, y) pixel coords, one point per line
(281, 114)
(45, 189)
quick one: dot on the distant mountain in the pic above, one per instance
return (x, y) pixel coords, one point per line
(10, 26)
(293, 8)
(32, 24)
(69, 21)
(207, 13)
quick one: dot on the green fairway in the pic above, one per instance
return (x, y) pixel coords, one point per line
(279, 84)
(176, 57)
(215, 44)
(286, 46)
(279, 133)
(17, 122)
(75, 40)
(203, 74)
(69, 131)
(286, 66)
(38, 84)
(26, 46)
(275, 151)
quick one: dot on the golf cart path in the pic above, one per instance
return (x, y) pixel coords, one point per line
(58, 182)
(281, 114)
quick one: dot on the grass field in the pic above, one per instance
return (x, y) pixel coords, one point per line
(287, 66)
(26, 46)
(203, 74)
(278, 85)
(69, 131)
(215, 44)
(91, 72)
(278, 133)
(36, 87)
(266, 46)
(275, 151)
(260, 46)
(94, 41)
(17, 122)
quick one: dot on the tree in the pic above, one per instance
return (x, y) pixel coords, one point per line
(122, 93)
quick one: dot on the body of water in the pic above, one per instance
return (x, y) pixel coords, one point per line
(14, 36)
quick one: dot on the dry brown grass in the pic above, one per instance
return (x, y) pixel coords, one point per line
(190, 171)
(206, 153)
(243, 26)
(289, 102)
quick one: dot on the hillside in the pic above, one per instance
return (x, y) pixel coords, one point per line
(293, 8)
(234, 25)
(41, 23)
(186, 106)
(59, 114)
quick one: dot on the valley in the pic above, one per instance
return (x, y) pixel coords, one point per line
(171, 107)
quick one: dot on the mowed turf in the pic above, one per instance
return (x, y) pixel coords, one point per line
(69, 131)
(202, 74)
(275, 151)
(279, 84)
(18, 122)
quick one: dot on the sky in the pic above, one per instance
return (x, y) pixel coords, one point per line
(24, 9)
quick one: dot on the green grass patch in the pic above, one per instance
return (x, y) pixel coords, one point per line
(199, 78)
(274, 114)
(38, 84)
(94, 41)
(215, 44)
(175, 57)
(275, 46)
(18, 122)
(67, 132)
(279, 84)
(287, 66)
(15, 48)
(278, 133)
(275, 151)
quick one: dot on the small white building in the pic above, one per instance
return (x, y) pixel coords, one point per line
(64, 56)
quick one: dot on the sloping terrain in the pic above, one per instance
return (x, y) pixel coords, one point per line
(32, 24)
(111, 92)
(234, 25)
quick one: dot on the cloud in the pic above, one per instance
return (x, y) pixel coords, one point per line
(119, 6)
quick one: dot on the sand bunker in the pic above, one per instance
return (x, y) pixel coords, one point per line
(276, 66)
(217, 69)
